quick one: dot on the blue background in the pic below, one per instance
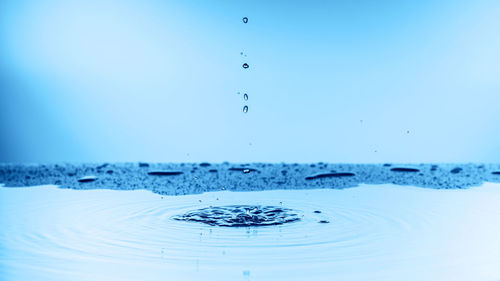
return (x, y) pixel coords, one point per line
(332, 81)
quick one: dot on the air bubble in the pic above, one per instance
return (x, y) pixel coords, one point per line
(245, 65)
(245, 97)
(245, 20)
(245, 109)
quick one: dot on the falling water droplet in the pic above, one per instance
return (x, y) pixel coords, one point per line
(245, 20)
(245, 97)
(245, 109)
(245, 65)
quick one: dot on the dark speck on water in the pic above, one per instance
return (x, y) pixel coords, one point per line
(244, 170)
(496, 173)
(330, 175)
(87, 179)
(456, 170)
(317, 212)
(324, 221)
(143, 165)
(213, 170)
(164, 173)
(410, 170)
(204, 164)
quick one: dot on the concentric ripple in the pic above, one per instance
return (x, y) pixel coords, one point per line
(241, 216)
(381, 232)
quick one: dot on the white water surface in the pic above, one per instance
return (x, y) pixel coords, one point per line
(376, 232)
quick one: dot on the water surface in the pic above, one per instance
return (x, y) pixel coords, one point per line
(375, 232)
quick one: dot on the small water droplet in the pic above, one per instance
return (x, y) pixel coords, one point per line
(246, 171)
(245, 109)
(245, 65)
(245, 20)
(245, 97)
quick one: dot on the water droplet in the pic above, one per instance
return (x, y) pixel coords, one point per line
(245, 20)
(405, 170)
(164, 173)
(87, 179)
(245, 97)
(245, 109)
(245, 65)
(246, 171)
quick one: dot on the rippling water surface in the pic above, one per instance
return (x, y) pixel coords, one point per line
(382, 232)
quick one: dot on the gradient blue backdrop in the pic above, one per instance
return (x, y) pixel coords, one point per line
(335, 81)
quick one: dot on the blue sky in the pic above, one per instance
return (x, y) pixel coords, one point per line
(331, 81)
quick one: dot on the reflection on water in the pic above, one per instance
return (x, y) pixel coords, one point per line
(381, 232)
